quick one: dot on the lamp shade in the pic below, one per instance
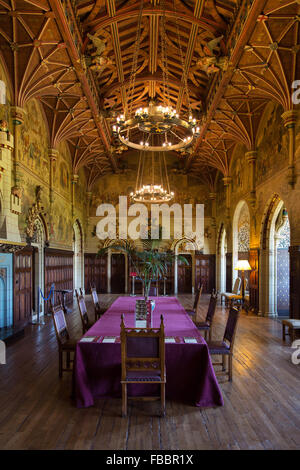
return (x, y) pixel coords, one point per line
(242, 265)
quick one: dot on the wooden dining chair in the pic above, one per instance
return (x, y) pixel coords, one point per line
(65, 344)
(98, 309)
(86, 324)
(225, 347)
(235, 292)
(198, 294)
(206, 325)
(143, 361)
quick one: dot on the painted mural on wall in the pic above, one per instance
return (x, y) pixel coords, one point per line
(34, 142)
(272, 144)
(187, 190)
(220, 198)
(239, 170)
(244, 230)
(63, 169)
(80, 190)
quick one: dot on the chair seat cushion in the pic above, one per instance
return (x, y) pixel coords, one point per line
(292, 323)
(190, 312)
(218, 347)
(143, 376)
(233, 296)
(202, 325)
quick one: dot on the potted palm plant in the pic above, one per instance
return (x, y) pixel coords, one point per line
(148, 262)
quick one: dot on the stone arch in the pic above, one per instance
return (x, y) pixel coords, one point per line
(221, 250)
(269, 237)
(239, 243)
(107, 243)
(38, 242)
(191, 248)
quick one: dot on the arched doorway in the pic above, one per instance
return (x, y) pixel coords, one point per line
(118, 271)
(274, 260)
(39, 268)
(184, 275)
(282, 274)
(240, 237)
(221, 259)
(78, 272)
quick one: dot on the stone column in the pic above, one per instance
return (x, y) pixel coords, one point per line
(254, 279)
(17, 119)
(294, 281)
(52, 153)
(227, 183)
(267, 282)
(251, 159)
(289, 121)
(212, 197)
(74, 182)
(89, 196)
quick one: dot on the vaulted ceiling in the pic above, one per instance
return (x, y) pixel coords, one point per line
(76, 58)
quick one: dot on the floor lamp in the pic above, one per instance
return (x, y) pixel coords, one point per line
(243, 265)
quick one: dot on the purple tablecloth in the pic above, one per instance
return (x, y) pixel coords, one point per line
(190, 374)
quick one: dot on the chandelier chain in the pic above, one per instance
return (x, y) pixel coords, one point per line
(135, 59)
(166, 88)
(184, 72)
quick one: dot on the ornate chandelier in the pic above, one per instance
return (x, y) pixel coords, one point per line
(152, 181)
(156, 127)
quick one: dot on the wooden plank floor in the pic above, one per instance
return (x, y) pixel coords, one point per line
(262, 404)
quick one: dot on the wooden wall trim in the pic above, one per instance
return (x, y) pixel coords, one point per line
(228, 272)
(294, 281)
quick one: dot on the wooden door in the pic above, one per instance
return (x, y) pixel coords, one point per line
(185, 280)
(117, 273)
(23, 286)
(205, 272)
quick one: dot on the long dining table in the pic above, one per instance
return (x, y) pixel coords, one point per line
(189, 372)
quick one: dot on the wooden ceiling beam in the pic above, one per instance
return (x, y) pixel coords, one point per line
(199, 5)
(158, 77)
(223, 82)
(75, 57)
(111, 10)
(123, 14)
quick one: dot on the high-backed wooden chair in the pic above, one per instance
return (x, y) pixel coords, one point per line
(98, 309)
(65, 343)
(143, 360)
(196, 305)
(235, 291)
(197, 295)
(225, 347)
(86, 324)
(206, 325)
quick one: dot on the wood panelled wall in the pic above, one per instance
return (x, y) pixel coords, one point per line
(205, 272)
(254, 279)
(59, 270)
(95, 272)
(23, 286)
(294, 281)
(229, 272)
